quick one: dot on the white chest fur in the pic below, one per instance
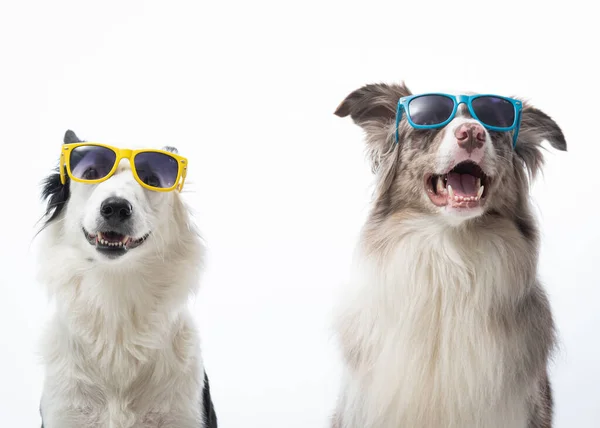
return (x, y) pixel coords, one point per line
(114, 363)
(422, 347)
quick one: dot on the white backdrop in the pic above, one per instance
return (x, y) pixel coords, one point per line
(246, 90)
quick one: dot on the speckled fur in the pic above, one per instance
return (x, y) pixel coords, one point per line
(444, 323)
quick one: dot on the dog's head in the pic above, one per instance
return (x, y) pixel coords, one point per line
(114, 221)
(458, 172)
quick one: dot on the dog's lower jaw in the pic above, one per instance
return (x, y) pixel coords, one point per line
(444, 328)
(457, 217)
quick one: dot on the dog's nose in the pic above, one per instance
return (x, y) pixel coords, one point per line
(116, 209)
(470, 136)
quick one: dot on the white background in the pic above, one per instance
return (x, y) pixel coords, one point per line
(247, 90)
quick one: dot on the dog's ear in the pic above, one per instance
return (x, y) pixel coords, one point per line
(537, 127)
(171, 149)
(71, 138)
(53, 191)
(372, 103)
(373, 108)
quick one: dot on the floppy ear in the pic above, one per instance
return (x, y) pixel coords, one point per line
(373, 108)
(537, 127)
(376, 102)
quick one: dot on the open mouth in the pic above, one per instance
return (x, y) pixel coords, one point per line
(464, 186)
(113, 243)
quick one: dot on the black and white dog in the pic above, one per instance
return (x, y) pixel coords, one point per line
(444, 323)
(121, 262)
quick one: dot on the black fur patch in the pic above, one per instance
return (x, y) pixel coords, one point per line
(53, 191)
(210, 416)
(526, 227)
(57, 195)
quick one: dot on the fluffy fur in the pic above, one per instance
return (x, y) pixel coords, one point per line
(444, 323)
(121, 350)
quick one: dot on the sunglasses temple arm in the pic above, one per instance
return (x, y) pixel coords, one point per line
(182, 181)
(398, 118)
(61, 171)
(516, 134)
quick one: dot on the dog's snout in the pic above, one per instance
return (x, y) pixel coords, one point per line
(470, 136)
(116, 209)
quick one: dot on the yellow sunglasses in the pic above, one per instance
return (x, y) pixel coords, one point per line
(94, 163)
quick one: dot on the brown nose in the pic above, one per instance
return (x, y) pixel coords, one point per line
(470, 136)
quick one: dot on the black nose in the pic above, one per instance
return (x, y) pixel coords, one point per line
(116, 209)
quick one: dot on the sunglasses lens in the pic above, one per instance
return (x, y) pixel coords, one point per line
(494, 111)
(157, 169)
(91, 162)
(430, 109)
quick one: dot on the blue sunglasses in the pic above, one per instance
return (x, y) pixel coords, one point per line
(431, 111)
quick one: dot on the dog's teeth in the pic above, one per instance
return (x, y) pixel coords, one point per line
(480, 192)
(450, 192)
(440, 185)
(478, 183)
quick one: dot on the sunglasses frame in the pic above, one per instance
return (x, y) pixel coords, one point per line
(65, 161)
(403, 104)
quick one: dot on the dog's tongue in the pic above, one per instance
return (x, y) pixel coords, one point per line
(463, 184)
(112, 236)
